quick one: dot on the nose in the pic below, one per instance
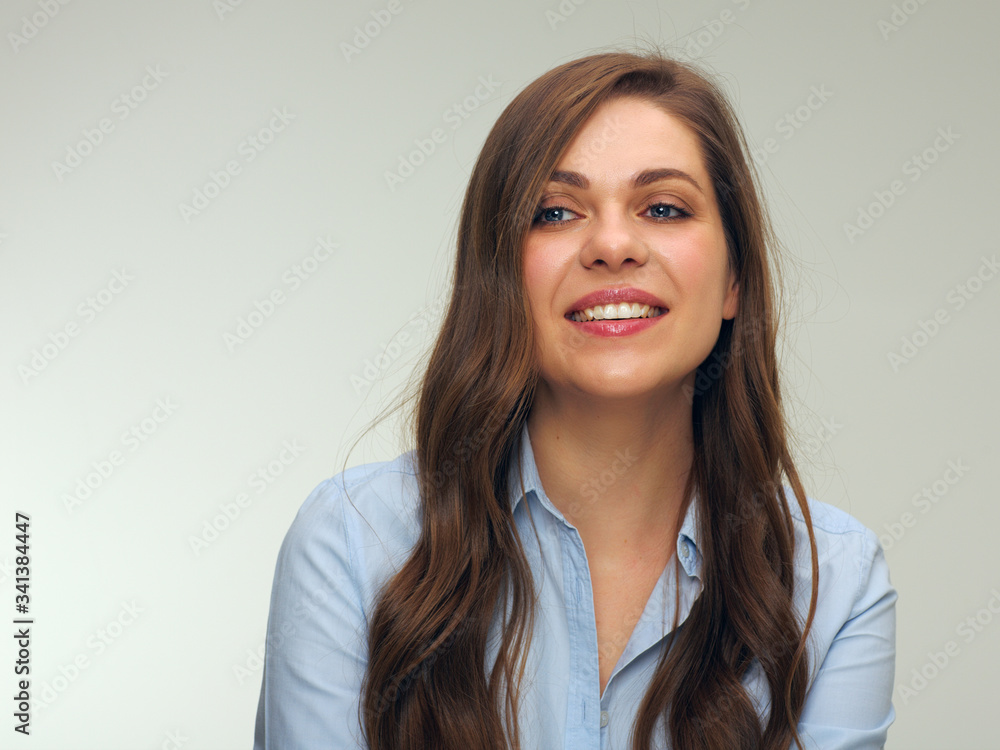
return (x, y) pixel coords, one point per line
(613, 241)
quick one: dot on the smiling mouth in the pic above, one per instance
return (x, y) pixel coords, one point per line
(621, 311)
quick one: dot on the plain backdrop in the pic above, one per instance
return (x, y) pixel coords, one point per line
(226, 230)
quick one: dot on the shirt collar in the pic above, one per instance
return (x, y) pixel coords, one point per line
(529, 472)
(687, 537)
(688, 552)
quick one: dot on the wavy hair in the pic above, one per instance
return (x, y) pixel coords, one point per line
(426, 683)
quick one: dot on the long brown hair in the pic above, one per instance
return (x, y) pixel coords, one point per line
(426, 684)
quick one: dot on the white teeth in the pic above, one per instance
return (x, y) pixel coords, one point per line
(620, 311)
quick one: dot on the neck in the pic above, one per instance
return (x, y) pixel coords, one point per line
(616, 469)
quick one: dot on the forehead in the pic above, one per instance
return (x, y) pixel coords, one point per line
(626, 136)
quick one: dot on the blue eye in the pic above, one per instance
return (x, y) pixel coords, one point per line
(663, 211)
(552, 215)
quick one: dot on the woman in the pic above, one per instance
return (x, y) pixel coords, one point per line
(591, 544)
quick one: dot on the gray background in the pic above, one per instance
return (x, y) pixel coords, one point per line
(873, 434)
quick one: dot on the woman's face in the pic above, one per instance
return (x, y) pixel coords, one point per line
(629, 215)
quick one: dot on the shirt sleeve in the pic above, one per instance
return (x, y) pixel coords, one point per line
(849, 706)
(316, 646)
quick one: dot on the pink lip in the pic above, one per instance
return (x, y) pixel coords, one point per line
(617, 295)
(605, 328)
(614, 296)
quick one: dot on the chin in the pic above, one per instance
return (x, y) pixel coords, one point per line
(627, 387)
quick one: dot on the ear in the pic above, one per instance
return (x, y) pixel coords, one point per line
(731, 302)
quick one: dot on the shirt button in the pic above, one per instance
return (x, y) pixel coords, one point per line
(604, 718)
(685, 550)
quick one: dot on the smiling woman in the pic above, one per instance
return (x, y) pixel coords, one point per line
(599, 540)
(632, 220)
(624, 215)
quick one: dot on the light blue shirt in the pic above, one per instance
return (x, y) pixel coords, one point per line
(339, 552)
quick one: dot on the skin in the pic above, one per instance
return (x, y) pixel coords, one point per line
(598, 396)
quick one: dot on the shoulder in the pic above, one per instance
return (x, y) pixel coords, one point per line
(852, 640)
(372, 489)
(342, 544)
(845, 547)
(362, 521)
(853, 582)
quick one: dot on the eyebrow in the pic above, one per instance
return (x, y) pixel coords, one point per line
(642, 179)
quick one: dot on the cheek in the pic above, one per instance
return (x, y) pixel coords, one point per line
(541, 271)
(699, 270)
(533, 273)
(702, 258)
